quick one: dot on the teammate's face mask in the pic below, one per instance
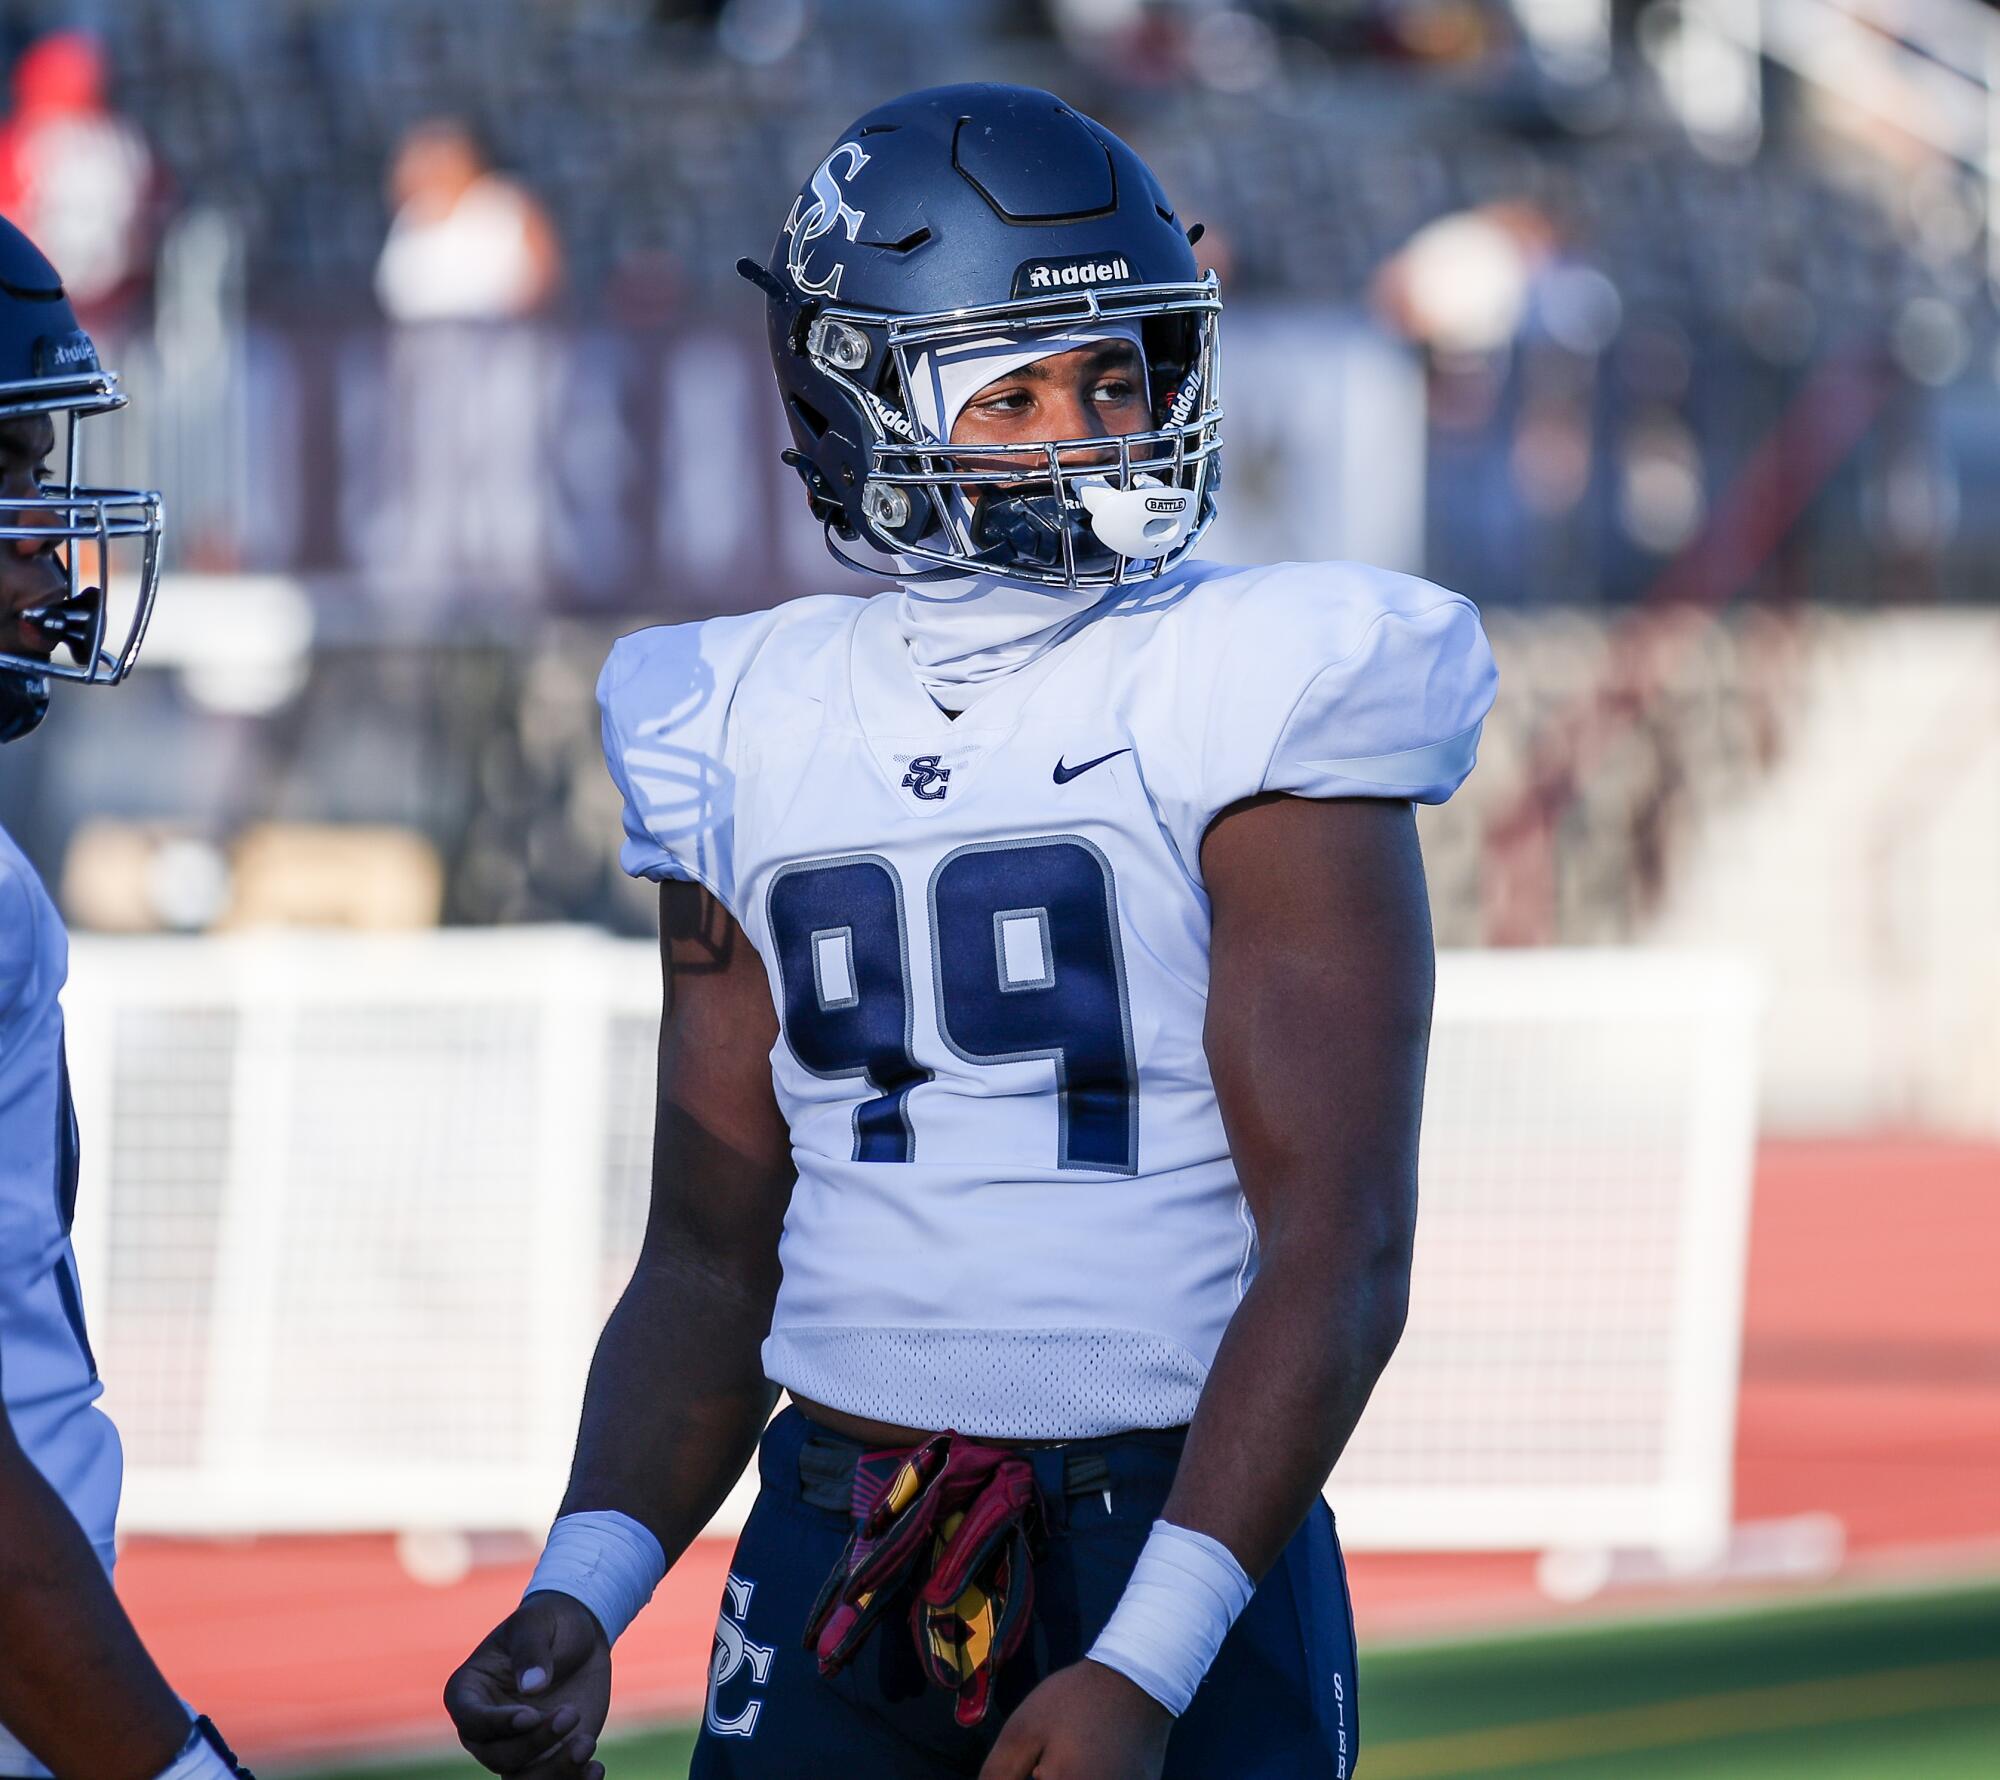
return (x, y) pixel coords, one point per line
(97, 625)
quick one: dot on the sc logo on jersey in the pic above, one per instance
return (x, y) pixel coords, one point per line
(923, 774)
(805, 226)
(733, 1653)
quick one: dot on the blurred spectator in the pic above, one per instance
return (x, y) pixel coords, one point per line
(1461, 285)
(465, 243)
(78, 177)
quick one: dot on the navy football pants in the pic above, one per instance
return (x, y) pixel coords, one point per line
(1277, 1705)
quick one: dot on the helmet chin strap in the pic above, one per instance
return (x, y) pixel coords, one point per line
(1029, 529)
(910, 571)
(1141, 523)
(24, 694)
(894, 571)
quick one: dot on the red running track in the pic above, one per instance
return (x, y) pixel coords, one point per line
(1871, 1390)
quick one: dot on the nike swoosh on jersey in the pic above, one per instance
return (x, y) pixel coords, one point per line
(1064, 774)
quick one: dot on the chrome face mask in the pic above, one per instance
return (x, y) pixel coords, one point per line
(1065, 513)
(84, 523)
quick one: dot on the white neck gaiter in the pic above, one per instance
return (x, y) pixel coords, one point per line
(968, 631)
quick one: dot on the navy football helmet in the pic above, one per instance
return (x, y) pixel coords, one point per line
(49, 366)
(971, 212)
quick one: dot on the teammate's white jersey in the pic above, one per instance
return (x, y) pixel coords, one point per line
(47, 1377)
(988, 939)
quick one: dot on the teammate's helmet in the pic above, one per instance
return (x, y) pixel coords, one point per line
(961, 214)
(49, 366)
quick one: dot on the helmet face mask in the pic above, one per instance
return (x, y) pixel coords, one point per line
(1041, 528)
(48, 366)
(1044, 223)
(84, 523)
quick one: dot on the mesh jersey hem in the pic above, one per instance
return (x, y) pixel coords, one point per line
(999, 1384)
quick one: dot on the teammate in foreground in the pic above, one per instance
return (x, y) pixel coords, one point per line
(1048, 982)
(79, 1696)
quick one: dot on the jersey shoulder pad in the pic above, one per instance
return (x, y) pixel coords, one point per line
(1338, 679)
(676, 702)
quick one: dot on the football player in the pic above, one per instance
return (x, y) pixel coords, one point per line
(1048, 982)
(79, 1696)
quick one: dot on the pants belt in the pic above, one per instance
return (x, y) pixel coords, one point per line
(827, 1461)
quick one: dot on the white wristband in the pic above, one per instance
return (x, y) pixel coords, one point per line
(606, 1560)
(202, 1757)
(1186, 1592)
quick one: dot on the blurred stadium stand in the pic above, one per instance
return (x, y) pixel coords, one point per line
(1673, 287)
(1321, 136)
(1657, 328)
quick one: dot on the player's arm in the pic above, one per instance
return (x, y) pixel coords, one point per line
(677, 1396)
(1318, 1025)
(76, 1684)
(1319, 1018)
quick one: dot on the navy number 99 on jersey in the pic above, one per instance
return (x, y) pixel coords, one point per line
(1026, 957)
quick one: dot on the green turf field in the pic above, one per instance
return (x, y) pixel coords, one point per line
(1834, 1689)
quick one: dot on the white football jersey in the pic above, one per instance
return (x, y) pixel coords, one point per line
(987, 940)
(47, 1376)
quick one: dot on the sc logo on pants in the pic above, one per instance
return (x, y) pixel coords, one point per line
(733, 1652)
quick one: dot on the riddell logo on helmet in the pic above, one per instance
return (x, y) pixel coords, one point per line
(892, 419)
(1070, 274)
(64, 352)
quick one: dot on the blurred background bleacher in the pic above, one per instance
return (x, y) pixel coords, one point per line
(1664, 329)
(1654, 328)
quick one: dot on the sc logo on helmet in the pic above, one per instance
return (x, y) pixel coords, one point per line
(805, 226)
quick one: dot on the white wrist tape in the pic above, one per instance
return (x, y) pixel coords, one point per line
(607, 1560)
(198, 1763)
(1185, 1593)
(200, 1758)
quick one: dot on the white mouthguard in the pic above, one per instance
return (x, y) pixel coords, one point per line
(1147, 519)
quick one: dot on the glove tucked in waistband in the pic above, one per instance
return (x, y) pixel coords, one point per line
(960, 1522)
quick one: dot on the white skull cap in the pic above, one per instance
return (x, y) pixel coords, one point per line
(946, 376)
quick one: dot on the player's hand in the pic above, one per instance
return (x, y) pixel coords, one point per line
(1085, 1722)
(533, 1697)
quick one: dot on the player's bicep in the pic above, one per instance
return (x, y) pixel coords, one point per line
(1319, 1012)
(722, 1169)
